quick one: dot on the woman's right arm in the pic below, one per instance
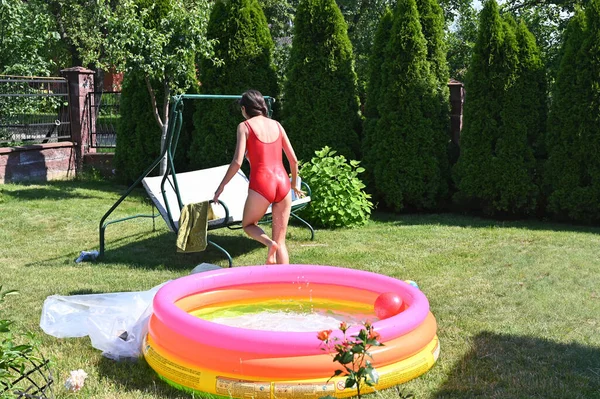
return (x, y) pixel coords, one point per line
(236, 163)
(291, 156)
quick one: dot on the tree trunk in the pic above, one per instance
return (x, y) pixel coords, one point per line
(162, 122)
(165, 126)
(163, 142)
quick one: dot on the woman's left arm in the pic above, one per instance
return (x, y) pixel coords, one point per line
(238, 158)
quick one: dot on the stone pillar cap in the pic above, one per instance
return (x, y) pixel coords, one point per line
(455, 82)
(79, 69)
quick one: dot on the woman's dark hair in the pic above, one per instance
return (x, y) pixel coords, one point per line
(254, 102)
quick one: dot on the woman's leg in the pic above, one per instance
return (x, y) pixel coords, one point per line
(254, 209)
(281, 216)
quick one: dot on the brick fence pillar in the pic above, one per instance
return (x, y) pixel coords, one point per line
(81, 82)
(457, 99)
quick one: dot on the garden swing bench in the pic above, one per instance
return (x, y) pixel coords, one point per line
(196, 186)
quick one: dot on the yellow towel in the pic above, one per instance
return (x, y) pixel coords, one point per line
(193, 223)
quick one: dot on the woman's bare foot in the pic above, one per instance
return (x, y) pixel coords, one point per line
(272, 254)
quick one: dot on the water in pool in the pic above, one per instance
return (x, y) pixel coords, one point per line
(291, 315)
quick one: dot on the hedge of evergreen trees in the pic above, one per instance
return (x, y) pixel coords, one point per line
(245, 47)
(375, 90)
(321, 105)
(405, 143)
(138, 134)
(516, 157)
(496, 171)
(573, 168)
(431, 17)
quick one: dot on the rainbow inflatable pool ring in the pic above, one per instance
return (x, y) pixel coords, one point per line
(202, 356)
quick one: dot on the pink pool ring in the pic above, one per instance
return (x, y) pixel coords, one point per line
(202, 356)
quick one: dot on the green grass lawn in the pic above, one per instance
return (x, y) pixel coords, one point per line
(517, 303)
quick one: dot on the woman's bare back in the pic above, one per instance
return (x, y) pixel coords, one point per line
(265, 129)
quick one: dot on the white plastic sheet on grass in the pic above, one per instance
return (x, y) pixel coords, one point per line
(116, 322)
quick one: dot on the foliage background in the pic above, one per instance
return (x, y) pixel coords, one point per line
(407, 149)
(496, 170)
(28, 40)
(243, 39)
(321, 105)
(574, 125)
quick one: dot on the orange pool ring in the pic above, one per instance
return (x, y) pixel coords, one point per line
(311, 366)
(192, 352)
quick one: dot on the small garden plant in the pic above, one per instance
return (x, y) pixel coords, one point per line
(352, 353)
(18, 364)
(12, 356)
(338, 198)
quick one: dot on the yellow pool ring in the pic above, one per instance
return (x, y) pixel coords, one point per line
(189, 377)
(302, 367)
(193, 353)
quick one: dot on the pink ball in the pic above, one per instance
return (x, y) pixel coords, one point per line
(387, 305)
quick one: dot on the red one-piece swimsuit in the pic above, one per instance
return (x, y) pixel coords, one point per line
(268, 177)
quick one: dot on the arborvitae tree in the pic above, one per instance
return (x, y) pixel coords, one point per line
(561, 174)
(495, 171)
(376, 84)
(405, 156)
(522, 117)
(531, 90)
(485, 83)
(138, 135)
(431, 17)
(182, 160)
(573, 169)
(245, 47)
(375, 88)
(321, 106)
(589, 75)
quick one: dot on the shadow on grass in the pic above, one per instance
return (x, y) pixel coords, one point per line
(136, 376)
(68, 258)
(85, 292)
(459, 220)
(66, 189)
(161, 251)
(510, 367)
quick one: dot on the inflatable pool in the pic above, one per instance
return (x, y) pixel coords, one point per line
(191, 351)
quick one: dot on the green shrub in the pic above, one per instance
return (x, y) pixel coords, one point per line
(321, 105)
(495, 172)
(138, 133)
(338, 199)
(573, 167)
(530, 112)
(245, 47)
(375, 83)
(375, 90)
(12, 356)
(406, 151)
(431, 17)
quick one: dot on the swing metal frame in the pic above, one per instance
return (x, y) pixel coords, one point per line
(170, 176)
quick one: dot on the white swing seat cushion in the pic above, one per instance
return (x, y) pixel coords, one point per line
(199, 186)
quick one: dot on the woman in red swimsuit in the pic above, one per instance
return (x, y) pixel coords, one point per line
(263, 140)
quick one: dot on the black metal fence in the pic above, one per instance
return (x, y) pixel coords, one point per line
(105, 107)
(33, 110)
(32, 381)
